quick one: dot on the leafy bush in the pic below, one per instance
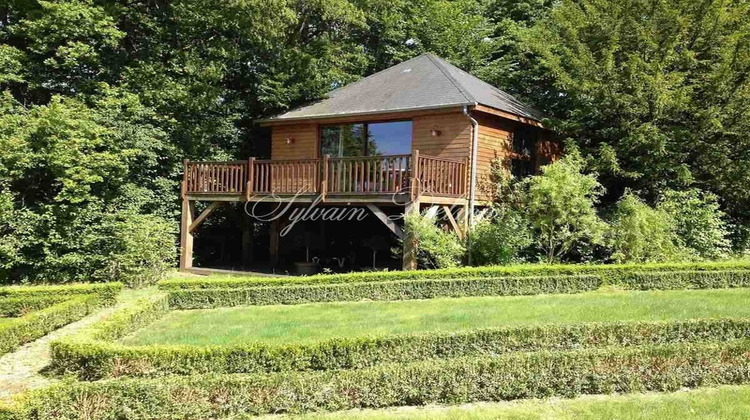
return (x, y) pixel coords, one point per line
(452, 381)
(18, 306)
(394, 290)
(559, 204)
(608, 272)
(699, 222)
(97, 359)
(640, 233)
(500, 239)
(435, 247)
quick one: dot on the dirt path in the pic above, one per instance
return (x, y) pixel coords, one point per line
(20, 369)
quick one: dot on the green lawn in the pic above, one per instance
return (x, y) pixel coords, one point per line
(312, 322)
(730, 402)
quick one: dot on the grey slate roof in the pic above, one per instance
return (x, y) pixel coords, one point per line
(424, 82)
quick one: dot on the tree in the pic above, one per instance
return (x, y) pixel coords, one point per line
(639, 233)
(698, 221)
(560, 205)
(656, 92)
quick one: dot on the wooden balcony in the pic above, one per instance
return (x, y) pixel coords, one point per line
(360, 179)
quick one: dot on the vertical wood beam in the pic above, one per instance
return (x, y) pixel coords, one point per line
(186, 236)
(274, 240)
(409, 258)
(250, 178)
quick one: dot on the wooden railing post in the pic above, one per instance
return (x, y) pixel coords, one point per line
(415, 181)
(184, 186)
(250, 178)
(324, 177)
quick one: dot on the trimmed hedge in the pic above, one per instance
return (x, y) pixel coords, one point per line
(454, 381)
(90, 359)
(608, 272)
(40, 323)
(426, 289)
(107, 291)
(393, 290)
(18, 306)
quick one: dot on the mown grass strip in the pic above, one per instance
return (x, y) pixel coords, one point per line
(610, 273)
(452, 381)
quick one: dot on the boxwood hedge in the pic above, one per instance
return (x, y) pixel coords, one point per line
(92, 359)
(608, 272)
(463, 380)
(37, 324)
(107, 291)
(18, 306)
(390, 290)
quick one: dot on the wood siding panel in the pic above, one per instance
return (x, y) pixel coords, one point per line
(454, 141)
(305, 145)
(493, 143)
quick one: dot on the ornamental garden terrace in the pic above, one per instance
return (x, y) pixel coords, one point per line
(419, 135)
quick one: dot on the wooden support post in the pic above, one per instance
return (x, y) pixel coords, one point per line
(186, 236)
(324, 178)
(415, 185)
(274, 240)
(250, 178)
(198, 220)
(409, 259)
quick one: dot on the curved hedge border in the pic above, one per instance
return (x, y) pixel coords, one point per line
(392, 290)
(92, 359)
(610, 273)
(454, 381)
(40, 323)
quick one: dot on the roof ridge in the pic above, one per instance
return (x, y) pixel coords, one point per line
(437, 61)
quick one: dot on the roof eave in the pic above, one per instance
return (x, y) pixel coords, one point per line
(276, 120)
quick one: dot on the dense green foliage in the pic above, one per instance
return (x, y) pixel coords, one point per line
(434, 247)
(461, 380)
(107, 292)
(91, 359)
(100, 101)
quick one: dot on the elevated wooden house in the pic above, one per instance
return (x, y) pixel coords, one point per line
(422, 133)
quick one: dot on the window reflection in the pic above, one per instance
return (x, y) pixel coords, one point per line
(366, 139)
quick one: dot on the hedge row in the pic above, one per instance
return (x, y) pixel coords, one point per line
(392, 290)
(608, 272)
(454, 381)
(90, 359)
(40, 323)
(18, 306)
(107, 291)
(430, 288)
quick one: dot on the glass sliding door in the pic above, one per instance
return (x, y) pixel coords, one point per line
(366, 139)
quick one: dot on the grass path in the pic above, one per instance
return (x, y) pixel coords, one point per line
(313, 322)
(20, 370)
(726, 402)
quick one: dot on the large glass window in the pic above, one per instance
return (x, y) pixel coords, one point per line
(366, 139)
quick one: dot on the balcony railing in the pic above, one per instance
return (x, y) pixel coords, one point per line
(367, 175)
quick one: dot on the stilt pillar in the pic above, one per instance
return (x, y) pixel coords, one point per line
(409, 259)
(186, 234)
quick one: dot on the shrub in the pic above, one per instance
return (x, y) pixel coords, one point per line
(560, 204)
(640, 233)
(93, 360)
(18, 306)
(698, 221)
(606, 271)
(38, 324)
(684, 280)
(435, 248)
(500, 239)
(394, 290)
(451, 381)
